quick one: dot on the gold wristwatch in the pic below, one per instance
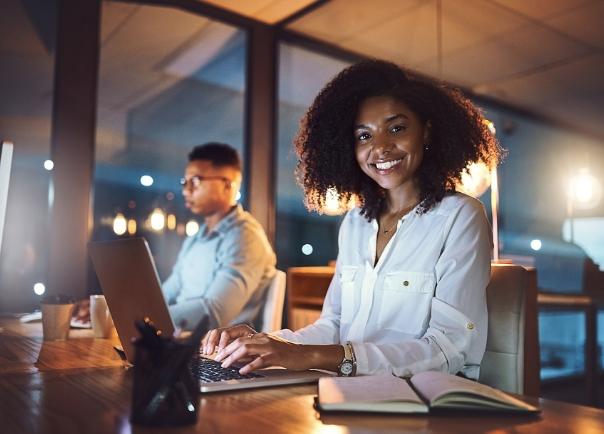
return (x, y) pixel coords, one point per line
(348, 366)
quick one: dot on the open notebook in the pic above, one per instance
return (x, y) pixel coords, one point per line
(131, 285)
(419, 394)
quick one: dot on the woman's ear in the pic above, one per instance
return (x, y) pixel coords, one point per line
(427, 132)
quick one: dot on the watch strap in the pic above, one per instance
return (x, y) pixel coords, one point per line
(352, 357)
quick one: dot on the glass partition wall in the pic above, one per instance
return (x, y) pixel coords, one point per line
(168, 80)
(27, 50)
(302, 238)
(534, 218)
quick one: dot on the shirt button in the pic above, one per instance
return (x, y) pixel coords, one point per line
(406, 283)
(470, 326)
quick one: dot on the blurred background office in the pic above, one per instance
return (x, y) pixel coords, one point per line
(167, 75)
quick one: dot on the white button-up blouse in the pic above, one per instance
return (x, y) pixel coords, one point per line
(423, 305)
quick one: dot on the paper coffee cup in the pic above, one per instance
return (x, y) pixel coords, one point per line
(56, 319)
(100, 318)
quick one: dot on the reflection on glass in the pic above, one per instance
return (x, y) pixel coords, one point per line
(168, 80)
(302, 73)
(27, 40)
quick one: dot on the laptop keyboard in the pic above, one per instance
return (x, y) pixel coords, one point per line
(209, 371)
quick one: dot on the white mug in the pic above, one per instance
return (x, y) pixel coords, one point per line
(100, 318)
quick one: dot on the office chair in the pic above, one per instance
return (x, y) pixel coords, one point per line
(272, 315)
(511, 361)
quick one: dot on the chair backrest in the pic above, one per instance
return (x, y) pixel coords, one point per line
(511, 361)
(272, 315)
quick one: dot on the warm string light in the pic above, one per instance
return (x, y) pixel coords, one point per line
(334, 204)
(171, 222)
(475, 179)
(120, 225)
(584, 190)
(157, 220)
(191, 228)
(131, 227)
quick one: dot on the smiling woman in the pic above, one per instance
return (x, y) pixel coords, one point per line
(408, 294)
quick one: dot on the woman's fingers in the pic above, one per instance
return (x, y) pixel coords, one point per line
(258, 363)
(211, 340)
(240, 352)
(221, 337)
(234, 349)
(227, 350)
(256, 354)
(228, 335)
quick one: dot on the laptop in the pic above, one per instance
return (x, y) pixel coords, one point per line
(132, 288)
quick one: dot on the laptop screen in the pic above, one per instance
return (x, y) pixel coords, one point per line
(6, 156)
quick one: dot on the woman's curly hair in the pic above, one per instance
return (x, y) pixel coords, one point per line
(325, 144)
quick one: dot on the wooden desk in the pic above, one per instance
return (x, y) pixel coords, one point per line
(22, 350)
(58, 396)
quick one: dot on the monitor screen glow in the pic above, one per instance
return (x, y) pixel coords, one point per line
(6, 156)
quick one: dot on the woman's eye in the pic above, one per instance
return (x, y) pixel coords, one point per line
(363, 136)
(397, 128)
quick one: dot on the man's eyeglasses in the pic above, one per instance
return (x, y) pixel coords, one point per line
(196, 180)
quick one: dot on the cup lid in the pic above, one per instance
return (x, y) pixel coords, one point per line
(57, 299)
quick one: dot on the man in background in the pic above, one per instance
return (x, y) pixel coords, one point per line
(224, 270)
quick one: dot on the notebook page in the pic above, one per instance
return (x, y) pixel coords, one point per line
(433, 385)
(374, 388)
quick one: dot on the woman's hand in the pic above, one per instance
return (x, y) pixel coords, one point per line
(262, 350)
(242, 344)
(221, 337)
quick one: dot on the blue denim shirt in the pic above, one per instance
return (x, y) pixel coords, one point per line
(222, 273)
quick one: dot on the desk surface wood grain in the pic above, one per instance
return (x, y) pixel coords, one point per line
(60, 396)
(23, 350)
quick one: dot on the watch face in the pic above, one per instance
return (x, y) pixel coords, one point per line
(346, 368)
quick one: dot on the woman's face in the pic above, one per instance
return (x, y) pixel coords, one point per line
(389, 141)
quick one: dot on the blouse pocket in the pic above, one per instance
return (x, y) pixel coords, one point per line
(406, 298)
(347, 278)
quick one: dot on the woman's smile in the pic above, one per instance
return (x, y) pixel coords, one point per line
(386, 167)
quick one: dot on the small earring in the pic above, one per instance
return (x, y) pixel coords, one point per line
(426, 147)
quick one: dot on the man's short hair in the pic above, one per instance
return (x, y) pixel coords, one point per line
(219, 154)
